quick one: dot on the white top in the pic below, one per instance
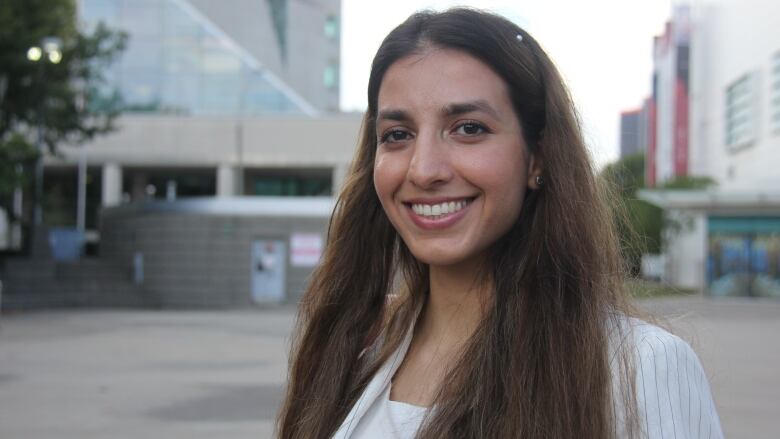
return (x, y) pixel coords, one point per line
(673, 394)
(390, 419)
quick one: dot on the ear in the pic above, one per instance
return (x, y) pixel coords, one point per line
(534, 170)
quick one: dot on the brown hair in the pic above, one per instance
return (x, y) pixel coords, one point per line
(538, 366)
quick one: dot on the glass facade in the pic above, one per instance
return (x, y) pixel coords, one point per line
(279, 16)
(288, 182)
(177, 61)
(744, 256)
(164, 183)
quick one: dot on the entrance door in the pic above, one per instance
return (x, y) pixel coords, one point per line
(269, 258)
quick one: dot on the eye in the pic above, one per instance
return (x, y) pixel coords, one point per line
(470, 129)
(394, 136)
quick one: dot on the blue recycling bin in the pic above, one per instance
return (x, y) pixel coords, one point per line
(66, 244)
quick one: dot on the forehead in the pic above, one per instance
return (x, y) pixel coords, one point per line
(438, 77)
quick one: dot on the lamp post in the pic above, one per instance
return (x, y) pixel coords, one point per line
(49, 51)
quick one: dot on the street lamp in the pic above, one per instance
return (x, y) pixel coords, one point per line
(49, 51)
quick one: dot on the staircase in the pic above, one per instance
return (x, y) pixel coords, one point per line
(38, 282)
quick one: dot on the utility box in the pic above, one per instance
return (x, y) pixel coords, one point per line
(66, 244)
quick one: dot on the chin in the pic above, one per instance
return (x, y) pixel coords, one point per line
(440, 258)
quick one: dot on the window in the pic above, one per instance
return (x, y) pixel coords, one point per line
(741, 112)
(774, 95)
(331, 27)
(330, 76)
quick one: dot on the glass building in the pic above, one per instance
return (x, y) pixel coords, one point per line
(178, 62)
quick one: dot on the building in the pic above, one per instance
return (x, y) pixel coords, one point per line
(221, 99)
(229, 106)
(633, 131)
(668, 152)
(727, 239)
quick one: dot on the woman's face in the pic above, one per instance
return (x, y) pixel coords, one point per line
(451, 166)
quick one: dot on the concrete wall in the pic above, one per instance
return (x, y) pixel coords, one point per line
(157, 140)
(195, 257)
(311, 51)
(732, 38)
(686, 249)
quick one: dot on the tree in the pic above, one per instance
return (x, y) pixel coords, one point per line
(67, 101)
(640, 224)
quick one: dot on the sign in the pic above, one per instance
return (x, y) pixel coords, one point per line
(306, 249)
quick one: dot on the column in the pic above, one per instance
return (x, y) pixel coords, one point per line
(228, 181)
(112, 184)
(340, 171)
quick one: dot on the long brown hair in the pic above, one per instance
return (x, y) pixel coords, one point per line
(538, 366)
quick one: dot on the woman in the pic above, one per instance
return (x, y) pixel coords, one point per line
(471, 286)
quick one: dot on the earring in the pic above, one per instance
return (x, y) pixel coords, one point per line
(539, 180)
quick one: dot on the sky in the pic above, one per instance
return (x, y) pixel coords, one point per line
(603, 49)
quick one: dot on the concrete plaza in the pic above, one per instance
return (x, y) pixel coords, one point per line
(195, 374)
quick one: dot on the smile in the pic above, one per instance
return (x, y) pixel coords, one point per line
(435, 211)
(438, 214)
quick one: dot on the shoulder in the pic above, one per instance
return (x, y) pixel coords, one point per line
(672, 391)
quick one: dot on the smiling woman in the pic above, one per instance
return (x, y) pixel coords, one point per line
(471, 286)
(447, 133)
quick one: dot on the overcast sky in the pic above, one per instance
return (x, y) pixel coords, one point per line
(603, 48)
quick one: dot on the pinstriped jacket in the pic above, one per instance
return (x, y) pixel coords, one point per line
(672, 390)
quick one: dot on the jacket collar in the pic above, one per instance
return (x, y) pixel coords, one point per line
(375, 388)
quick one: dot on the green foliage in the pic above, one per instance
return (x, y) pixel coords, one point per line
(640, 224)
(16, 156)
(627, 174)
(643, 289)
(688, 182)
(61, 102)
(60, 97)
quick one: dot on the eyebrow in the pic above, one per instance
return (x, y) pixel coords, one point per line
(449, 110)
(396, 115)
(469, 107)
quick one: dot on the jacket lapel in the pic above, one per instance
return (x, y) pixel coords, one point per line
(374, 389)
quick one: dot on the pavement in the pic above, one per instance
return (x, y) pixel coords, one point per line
(196, 374)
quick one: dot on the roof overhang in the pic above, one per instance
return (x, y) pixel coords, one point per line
(712, 200)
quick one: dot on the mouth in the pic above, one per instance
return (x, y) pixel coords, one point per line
(440, 213)
(439, 210)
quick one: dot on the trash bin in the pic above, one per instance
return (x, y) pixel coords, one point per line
(66, 244)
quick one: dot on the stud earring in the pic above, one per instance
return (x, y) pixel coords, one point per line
(539, 180)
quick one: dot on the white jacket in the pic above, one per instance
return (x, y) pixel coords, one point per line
(673, 394)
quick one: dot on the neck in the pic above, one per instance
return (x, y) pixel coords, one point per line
(456, 304)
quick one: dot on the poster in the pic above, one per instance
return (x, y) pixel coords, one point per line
(305, 249)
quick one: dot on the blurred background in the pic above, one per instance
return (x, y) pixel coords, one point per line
(182, 156)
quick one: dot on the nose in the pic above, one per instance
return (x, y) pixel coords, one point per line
(430, 166)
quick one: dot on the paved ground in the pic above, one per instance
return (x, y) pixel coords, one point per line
(131, 374)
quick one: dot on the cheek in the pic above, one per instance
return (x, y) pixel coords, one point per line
(388, 176)
(505, 178)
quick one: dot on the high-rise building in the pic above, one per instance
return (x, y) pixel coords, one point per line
(633, 132)
(668, 154)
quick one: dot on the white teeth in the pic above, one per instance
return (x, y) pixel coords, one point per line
(435, 210)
